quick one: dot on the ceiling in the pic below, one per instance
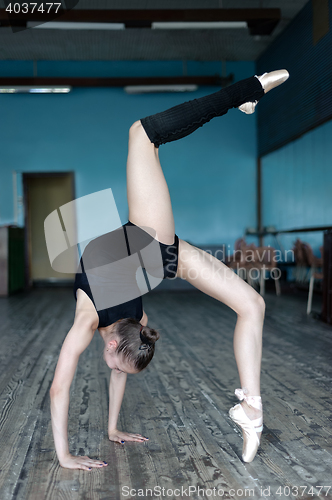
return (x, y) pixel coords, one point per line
(146, 43)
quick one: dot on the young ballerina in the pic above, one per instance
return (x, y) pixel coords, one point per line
(129, 342)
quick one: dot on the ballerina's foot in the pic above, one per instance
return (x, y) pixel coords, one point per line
(271, 80)
(268, 81)
(249, 417)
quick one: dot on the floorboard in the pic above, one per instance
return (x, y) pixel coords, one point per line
(180, 402)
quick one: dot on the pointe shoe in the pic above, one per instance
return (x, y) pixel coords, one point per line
(271, 80)
(268, 81)
(249, 428)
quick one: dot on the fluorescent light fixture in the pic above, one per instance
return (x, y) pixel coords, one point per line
(55, 25)
(27, 89)
(198, 25)
(147, 89)
(58, 25)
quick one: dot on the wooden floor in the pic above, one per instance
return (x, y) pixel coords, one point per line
(180, 402)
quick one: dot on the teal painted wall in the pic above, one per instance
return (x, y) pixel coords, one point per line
(297, 187)
(297, 178)
(211, 174)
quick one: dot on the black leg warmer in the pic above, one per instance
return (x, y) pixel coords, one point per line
(182, 120)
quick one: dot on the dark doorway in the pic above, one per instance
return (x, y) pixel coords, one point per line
(43, 193)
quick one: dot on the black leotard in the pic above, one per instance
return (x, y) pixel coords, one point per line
(114, 248)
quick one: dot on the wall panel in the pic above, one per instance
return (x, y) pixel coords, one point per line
(297, 186)
(305, 100)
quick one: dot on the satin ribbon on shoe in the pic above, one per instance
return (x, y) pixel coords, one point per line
(249, 428)
(248, 107)
(255, 401)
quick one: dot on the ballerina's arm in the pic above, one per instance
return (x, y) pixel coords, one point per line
(76, 341)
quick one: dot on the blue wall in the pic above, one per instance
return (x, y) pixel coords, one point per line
(297, 178)
(297, 187)
(211, 174)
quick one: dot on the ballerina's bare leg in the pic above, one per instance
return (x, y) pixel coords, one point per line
(212, 277)
(149, 201)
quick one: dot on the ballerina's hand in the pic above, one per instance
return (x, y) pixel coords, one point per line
(121, 437)
(84, 463)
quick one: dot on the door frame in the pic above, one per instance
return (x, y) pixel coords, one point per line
(25, 177)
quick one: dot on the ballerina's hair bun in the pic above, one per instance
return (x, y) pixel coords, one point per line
(148, 336)
(136, 342)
